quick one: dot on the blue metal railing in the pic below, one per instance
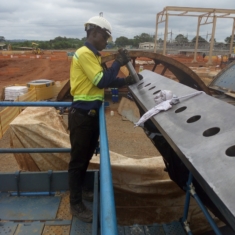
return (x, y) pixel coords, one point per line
(108, 212)
(35, 104)
(191, 191)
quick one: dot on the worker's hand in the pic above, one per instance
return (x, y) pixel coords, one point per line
(123, 57)
(130, 80)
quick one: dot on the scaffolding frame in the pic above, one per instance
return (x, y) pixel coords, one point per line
(205, 16)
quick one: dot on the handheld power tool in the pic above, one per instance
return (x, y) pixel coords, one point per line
(130, 67)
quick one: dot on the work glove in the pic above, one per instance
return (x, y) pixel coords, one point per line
(130, 79)
(123, 58)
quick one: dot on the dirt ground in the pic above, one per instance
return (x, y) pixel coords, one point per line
(23, 70)
(123, 137)
(55, 66)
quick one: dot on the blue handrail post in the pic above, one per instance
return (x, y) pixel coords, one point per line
(107, 204)
(186, 205)
(191, 190)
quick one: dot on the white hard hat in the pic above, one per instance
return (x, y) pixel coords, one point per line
(99, 21)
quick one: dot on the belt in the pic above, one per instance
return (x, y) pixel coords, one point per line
(91, 112)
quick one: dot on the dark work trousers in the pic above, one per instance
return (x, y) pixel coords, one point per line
(84, 135)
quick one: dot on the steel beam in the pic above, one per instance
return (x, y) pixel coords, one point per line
(231, 51)
(201, 131)
(212, 41)
(196, 45)
(165, 35)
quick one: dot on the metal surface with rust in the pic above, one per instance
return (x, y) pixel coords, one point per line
(184, 74)
(201, 130)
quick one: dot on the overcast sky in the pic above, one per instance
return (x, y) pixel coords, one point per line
(47, 19)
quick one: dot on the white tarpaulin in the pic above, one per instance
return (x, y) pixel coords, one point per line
(40, 127)
(145, 175)
(43, 127)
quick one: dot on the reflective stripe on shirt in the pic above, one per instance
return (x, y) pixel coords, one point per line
(88, 97)
(97, 78)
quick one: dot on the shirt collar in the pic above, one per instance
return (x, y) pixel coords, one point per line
(92, 48)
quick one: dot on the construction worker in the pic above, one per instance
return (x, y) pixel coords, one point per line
(88, 80)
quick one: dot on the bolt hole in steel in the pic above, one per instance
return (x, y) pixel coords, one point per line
(154, 93)
(148, 84)
(193, 119)
(140, 85)
(230, 151)
(211, 131)
(181, 109)
(151, 88)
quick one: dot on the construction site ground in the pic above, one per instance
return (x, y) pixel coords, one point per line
(20, 71)
(123, 137)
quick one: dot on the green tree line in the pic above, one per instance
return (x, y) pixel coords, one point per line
(74, 43)
(56, 43)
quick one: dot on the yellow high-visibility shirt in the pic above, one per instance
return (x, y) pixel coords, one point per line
(85, 73)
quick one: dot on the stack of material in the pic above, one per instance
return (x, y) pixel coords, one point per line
(143, 60)
(12, 92)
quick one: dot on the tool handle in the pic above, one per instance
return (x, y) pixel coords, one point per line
(130, 68)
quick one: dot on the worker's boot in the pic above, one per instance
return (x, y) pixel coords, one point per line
(81, 212)
(87, 195)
